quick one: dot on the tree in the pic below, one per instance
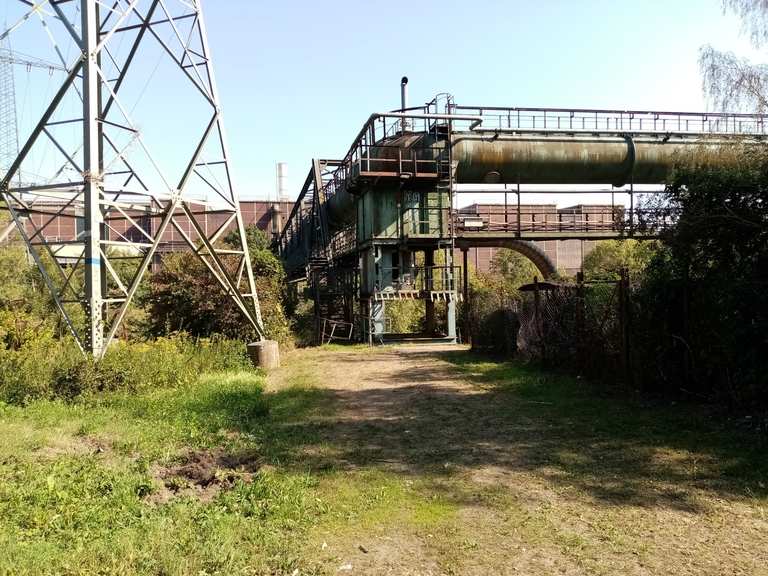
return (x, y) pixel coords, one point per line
(514, 268)
(184, 295)
(701, 312)
(609, 257)
(733, 82)
(703, 304)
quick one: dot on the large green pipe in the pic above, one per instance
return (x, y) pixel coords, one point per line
(498, 158)
(558, 159)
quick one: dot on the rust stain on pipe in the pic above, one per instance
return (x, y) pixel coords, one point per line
(565, 159)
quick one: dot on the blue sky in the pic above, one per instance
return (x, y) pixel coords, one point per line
(298, 78)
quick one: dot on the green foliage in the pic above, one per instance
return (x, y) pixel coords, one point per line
(257, 239)
(609, 257)
(702, 314)
(46, 367)
(25, 306)
(184, 295)
(405, 316)
(301, 311)
(514, 268)
(493, 301)
(30, 370)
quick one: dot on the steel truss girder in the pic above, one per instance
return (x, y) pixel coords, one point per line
(102, 205)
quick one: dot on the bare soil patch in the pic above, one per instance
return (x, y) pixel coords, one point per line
(202, 474)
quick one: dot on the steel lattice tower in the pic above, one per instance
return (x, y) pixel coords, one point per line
(112, 177)
(9, 136)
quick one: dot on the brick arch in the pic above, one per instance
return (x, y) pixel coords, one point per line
(530, 250)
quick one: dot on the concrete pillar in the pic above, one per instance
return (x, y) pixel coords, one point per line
(264, 354)
(429, 305)
(452, 319)
(377, 321)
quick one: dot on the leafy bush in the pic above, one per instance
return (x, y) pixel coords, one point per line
(25, 306)
(405, 316)
(701, 315)
(609, 257)
(30, 370)
(184, 295)
(494, 297)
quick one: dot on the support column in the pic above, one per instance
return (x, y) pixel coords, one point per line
(92, 176)
(429, 304)
(452, 319)
(465, 295)
(378, 321)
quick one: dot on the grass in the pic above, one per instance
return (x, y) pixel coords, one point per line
(613, 417)
(74, 483)
(80, 488)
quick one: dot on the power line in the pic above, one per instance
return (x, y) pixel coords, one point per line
(9, 57)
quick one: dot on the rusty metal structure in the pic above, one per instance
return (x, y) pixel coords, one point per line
(105, 170)
(380, 223)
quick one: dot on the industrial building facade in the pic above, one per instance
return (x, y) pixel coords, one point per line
(567, 255)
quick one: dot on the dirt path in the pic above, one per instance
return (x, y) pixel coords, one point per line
(533, 487)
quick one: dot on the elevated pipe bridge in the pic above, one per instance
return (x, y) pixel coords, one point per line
(384, 209)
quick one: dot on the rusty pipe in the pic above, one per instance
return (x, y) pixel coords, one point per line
(564, 159)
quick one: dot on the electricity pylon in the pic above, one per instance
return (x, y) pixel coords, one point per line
(9, 123)
(117, 186)
(9, 135)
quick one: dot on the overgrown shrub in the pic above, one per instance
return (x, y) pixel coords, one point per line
(701, 316)
(29, 371)
(493, 314)
(493, 302)
(50, 368)
(609, 257)
(184, 295)
(405, 316)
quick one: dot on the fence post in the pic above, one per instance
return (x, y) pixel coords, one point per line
(580, 304)
(537, 322)
(625, 324)
(467, 309)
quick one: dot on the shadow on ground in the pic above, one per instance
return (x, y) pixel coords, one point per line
(445, 414)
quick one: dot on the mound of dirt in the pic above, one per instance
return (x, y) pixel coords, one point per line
(202, 474)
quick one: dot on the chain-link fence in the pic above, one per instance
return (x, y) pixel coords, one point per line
(581, 326)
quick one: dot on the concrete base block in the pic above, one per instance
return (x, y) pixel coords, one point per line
(264, 354)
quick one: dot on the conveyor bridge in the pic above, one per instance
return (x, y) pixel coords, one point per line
(380, 223)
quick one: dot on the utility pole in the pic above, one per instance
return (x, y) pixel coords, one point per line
(92, 178)
(115, 180)
(9, 127)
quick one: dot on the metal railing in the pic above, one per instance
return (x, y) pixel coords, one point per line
(619, 219)
(382, 159)
(619, 121)
(344, 242)
(418, 279)
(331, 330)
